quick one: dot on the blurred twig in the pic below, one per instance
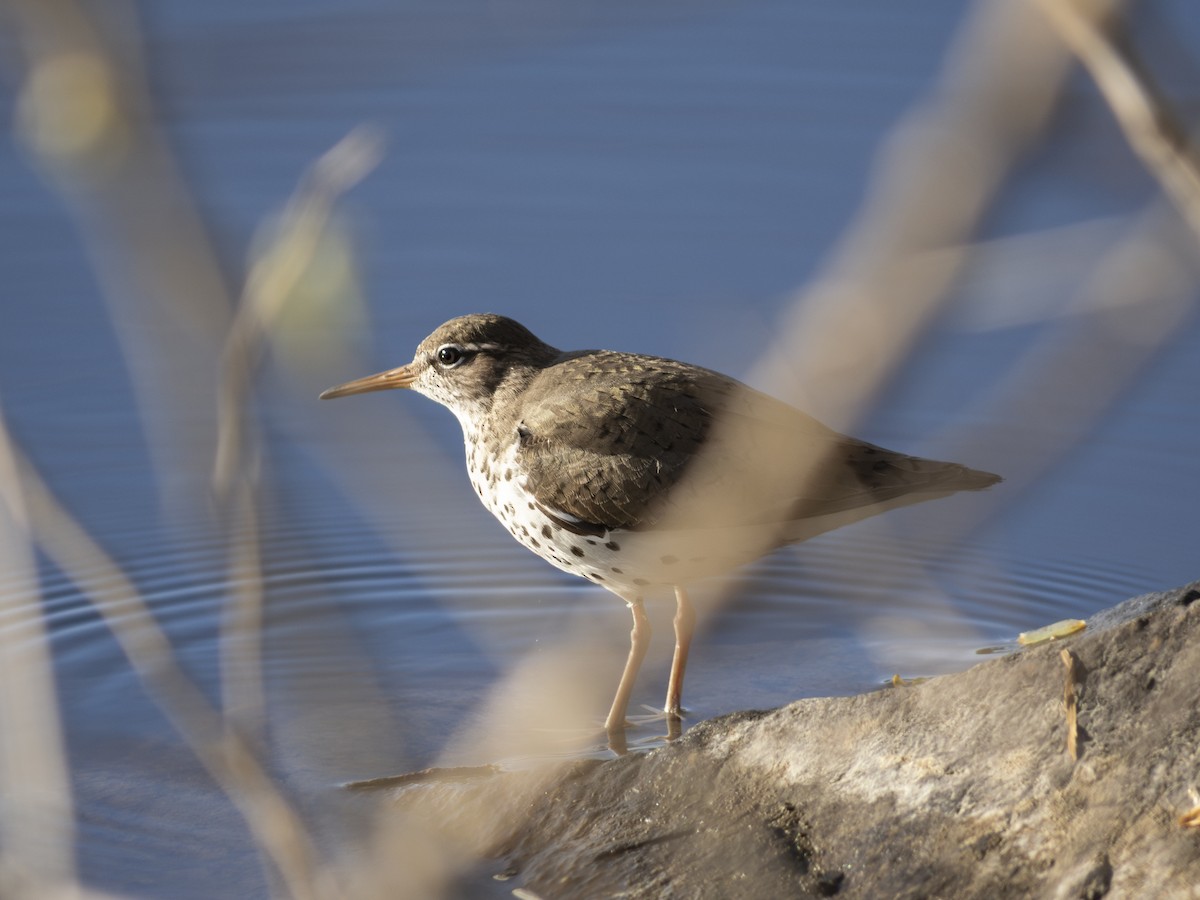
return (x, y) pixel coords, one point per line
(1156, 133)
(36, 828)
(85, 116)
(1131, 305)
(228, 758)
(1071, 702)
(1142, 288)
(272, 280)
(935, 179)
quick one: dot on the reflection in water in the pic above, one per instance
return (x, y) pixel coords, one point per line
(652, 180)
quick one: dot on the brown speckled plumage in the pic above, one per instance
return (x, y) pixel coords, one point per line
(635, 471)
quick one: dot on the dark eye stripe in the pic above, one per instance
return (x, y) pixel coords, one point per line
(450, 356)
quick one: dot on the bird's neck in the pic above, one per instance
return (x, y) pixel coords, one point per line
(491, 412)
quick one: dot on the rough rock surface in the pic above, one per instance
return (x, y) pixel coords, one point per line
(958, 787)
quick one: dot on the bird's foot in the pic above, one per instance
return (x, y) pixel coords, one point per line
(619, 743)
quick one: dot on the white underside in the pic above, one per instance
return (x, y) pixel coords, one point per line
(642, 561)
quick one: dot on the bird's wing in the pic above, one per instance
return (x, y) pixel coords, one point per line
(603, 439)
(612, 451)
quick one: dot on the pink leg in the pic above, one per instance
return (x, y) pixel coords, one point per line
(685, 626)
(639, 641)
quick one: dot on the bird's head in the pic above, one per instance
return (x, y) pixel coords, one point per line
(463, 364)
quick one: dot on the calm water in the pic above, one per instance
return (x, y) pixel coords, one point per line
(653, 179)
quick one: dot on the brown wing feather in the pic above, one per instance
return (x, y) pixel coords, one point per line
(609, 451)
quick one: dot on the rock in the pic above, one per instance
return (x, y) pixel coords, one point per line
(961, 786)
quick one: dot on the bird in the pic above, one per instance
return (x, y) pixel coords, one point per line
(640, 473)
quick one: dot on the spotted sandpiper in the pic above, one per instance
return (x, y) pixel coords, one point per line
(638, 472)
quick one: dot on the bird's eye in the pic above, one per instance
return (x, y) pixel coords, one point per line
(449, 355)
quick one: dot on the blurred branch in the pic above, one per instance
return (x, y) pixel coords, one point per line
(934, 180)
(272, 280)
(85, 116)
(37, 828)
(275, 826)
(1127, 310)
(1156, 133)
(1141, 291)
(274, 277)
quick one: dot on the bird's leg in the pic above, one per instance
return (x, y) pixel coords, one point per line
(639, 641)
(685, 626)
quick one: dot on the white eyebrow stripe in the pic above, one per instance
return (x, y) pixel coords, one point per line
(475, 348)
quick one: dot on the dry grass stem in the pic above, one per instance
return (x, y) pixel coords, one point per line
(228, 759)
(895, 268)
(37, 828)
(272, 280)
(116, 173)
(243, 696)
(86, 118)
(1153, 129)
(1071, 703)
(1134, 302)
(113, 167)
(935, 179)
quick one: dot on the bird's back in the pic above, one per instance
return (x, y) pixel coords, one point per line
(639, 442)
